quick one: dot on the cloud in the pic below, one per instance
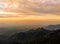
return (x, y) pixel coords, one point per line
(29, 7)
(45, 8)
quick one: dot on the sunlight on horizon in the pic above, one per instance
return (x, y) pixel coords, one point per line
(19, 10)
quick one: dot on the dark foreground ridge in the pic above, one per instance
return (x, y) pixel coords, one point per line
(38, 36)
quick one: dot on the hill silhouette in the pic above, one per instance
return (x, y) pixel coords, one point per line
(53, 27)
(38, 36)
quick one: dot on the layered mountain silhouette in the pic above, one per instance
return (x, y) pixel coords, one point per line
(53, 27)
(38, 36)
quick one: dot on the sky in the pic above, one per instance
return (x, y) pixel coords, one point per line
(29, 10)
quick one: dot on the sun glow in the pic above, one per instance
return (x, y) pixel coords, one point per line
(18, 10)
(4, 12)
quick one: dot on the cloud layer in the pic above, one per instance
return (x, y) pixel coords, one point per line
(29, 7)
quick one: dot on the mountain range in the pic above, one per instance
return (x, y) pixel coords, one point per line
(53, 27)
(38, 36)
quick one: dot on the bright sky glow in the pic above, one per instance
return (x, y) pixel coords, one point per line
(4, 12)
(30, 9)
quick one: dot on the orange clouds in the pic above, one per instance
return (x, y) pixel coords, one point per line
(19, 10)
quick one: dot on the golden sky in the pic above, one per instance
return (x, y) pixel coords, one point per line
(33, 10)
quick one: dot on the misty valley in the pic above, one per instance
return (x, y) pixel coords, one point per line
(41, 35)
(29, 21)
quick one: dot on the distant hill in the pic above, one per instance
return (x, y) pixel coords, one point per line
(38, 36)
(53, 27)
